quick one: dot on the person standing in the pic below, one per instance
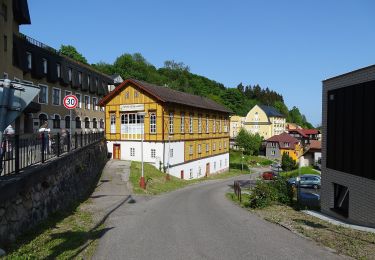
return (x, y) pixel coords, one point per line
(45, 134)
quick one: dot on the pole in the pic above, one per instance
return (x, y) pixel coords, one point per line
(70, 125)
(169, 156)
(3, 110)
(142, 182)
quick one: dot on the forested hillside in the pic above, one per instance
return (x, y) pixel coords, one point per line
(177, 75)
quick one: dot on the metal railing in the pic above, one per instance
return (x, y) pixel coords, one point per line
(38, 43)
(19, 152)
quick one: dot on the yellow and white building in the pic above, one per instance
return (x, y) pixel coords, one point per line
(188, 133)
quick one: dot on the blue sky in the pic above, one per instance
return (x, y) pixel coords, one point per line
(288, 46)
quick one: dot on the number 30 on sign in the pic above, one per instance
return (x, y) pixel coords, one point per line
(70, 101)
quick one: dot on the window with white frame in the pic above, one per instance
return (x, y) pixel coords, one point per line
(87, 122)
(153, 123)
(171, 122)
(58, 70)
(43, 94)
(221, 163)
(44, 62)
(101, 123)
(87, 102)
(153, 153)
(56, 122)
(132, 151)
(214, 125)
(207, 148)
(219, 145)
(273, 152)
(29, 59)
(95, 103)
(88, 80)
(78, 122)
(225, 125)
(199, 148)
(79, 100)
(286, 144)
(70, 74)
(56, 96)
(191, 150)
(136, 94)
(171, 153)
(126, 94)
(132, 126)
(214, 166)
(200, 124)
(220, 129)
(225, 144)
(214, 146)
(67, 93)
(191, 173)
(94, 123)
(199, 171)
(191, 127)
(113, 123)
(182, 123)
(207, 124)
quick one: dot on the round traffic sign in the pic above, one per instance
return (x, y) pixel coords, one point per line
(70, 101)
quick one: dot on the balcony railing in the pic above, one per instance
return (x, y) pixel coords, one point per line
(38, 43)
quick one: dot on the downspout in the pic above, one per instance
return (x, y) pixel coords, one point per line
(162, 138)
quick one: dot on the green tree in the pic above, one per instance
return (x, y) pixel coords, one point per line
(250, 143)
(71, 51)
(287, 163)
(283, 109)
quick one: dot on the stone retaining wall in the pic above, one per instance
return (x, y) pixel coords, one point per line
(30, 197)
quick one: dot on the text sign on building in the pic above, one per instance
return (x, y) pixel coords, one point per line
(132, 107)
(70, 101)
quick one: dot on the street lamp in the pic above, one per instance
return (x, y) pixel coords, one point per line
(169, 156)
(142, 182)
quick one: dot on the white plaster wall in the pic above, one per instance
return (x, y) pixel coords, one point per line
(178, 152)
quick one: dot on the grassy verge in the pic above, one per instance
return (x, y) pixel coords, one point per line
(64, 235)
(157, 183)
(345, 241)
(235, 157)
(303, 170)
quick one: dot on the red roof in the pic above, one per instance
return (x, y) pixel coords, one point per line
(315, 144)
(305, 132)
(283, 139)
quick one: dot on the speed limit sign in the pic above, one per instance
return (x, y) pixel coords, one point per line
(70, 101)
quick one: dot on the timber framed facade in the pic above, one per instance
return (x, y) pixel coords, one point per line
(184, 135)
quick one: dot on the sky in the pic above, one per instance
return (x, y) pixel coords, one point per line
(289, 46)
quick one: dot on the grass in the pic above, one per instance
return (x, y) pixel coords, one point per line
(303, 170)
(235, 157)
(157, 183)
(345, 241)
(64, 235)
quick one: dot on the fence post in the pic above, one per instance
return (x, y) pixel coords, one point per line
(43, 147)
(68, 142)
(17, 153)
(75, 140)
(58, 144)
(81, 139)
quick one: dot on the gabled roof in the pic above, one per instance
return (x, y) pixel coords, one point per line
(305, 132)
(315, 145)
(271, 111)
(282, 139)
(167, 95)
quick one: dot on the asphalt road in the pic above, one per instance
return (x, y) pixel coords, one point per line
(198, 222)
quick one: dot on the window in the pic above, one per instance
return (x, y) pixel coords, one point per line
(152, 123)
(67, 93)
(191, 124)
(87, 122)
(225, 125)
(273, 152)
(95, 103)
(80, 78)
(341, 199)
(191, 173)
(56, 96)
(286, 144)
(94, 123)
(79, 100)
(136, 94)
(225, 144)
(199, 148)
(67, 121)
(182, 123)
(87, 102)
(29, 58)
(200, 124)
(171, 153)
(214, 125)
(214, 166)
(70, 74)
(78, 122)
(126, 94)
(132, 151)
(171, 122)
(101, 123)
(58, 70)
(96, 82)
(207, 124)
(43, 94)
(221, 163)
(153, 153)
(42, 119)
(220, 129)
(214, 146)
(56, 122)
(88, 80)
(191, 149)
(199, 171)
(4, 10)
(5, 43)
(113, 123)
(219, 145)
(207, 148)
(44, 63)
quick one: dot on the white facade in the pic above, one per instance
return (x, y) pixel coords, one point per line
(174, 155)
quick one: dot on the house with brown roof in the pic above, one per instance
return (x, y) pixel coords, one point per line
(184, 134)
(312, 154)
(277, 145)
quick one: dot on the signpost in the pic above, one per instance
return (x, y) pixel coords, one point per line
(70, 102)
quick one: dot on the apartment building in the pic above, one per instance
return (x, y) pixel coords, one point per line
(183, 134)
(27, 60)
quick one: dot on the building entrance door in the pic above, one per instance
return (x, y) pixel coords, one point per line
(207, 169)
(116, 151)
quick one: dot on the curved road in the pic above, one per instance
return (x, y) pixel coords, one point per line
(198, 222)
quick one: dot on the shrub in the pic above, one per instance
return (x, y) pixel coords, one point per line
(266, 193)
(287, 163)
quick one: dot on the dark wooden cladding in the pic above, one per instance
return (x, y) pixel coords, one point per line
(350, 129)
(21, 46)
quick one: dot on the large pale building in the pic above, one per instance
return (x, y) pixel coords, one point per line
(264, 120)
(188, 133)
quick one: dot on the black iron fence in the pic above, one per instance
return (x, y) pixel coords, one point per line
(18, 152)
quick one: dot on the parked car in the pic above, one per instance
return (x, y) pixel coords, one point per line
(270, 175)
(306, 181)
(276, 167)
(309, 199)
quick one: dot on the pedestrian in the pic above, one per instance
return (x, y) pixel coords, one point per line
(44, 132)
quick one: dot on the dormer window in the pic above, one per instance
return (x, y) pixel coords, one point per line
(88, 80)
(29, 60)
(286, 144)
(44, 65)
(80, 78)
(58, 70)
(70, 74)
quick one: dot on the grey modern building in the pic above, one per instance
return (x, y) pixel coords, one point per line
(348, 147)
